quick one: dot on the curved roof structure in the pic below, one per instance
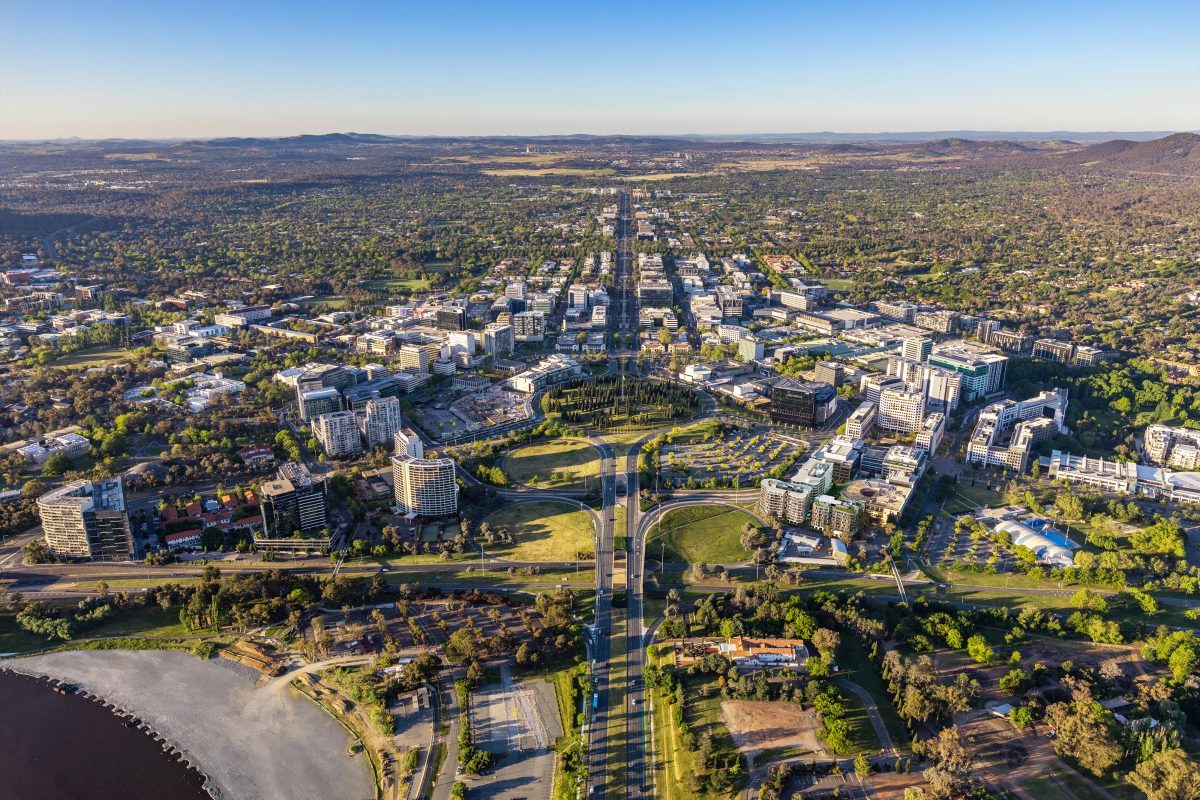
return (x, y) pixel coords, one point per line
(1047, 551)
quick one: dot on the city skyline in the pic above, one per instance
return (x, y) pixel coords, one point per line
(136, 70)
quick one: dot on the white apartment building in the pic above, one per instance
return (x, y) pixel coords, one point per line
(380, 421)
(933, 428)
(553, 369)
(407, 442)
(376, 344)
(1006, 432)
(916, 349)
(413, 358)
(785, 501)
(425, 487)
(871, 387)
(1173, 447)
(498, 339)
(943, 390)
(337, 433)
(941, 387)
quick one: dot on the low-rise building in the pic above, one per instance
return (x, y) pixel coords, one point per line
(551, 370)
(880, 501)
(1054, 350)
(861, 421)
(257, 456)
(745, 651)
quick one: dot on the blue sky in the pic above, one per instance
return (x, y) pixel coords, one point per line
(105, 68)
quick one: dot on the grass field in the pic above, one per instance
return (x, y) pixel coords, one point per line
(970, 498)
(509, 158)
(543, 531)
(711, 534)
(390, 284)
(863, 735)
(1046, 788)
(91, 357)
(333, 301)
(148, 621)
(549, 171)
(556, 464)
(585, 577)
(661, 176)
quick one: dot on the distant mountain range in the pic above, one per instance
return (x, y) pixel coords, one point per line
(821, 137)
(1172, 153)
(825, 137)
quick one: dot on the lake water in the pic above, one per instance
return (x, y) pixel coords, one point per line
(66, 747)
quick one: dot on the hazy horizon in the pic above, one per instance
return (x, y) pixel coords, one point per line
(881, 136)
(137, 69)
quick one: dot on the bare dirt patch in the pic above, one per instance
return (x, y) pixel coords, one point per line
(758, 726)
(1007, 756)
(1081, 654)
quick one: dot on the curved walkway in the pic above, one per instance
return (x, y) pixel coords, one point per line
(881, 731)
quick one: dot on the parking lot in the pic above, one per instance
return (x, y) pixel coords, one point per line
(946, 546)
(744, 453)
(516, 722)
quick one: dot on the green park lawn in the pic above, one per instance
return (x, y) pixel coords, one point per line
(146, 621)
(335, 302)
(543, 531)
(711, 534)
(384, 284)
(966, 499)
(556, 464)
(91, 357)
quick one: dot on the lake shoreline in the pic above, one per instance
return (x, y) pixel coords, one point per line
(250, 739)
